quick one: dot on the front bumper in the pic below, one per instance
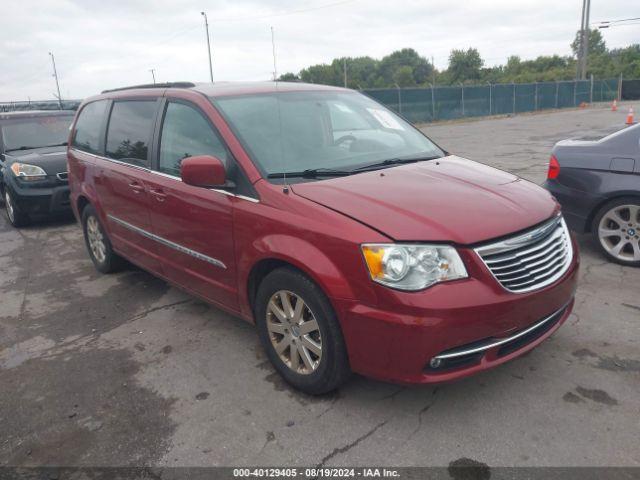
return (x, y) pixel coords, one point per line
(397, 339)
(51, 197)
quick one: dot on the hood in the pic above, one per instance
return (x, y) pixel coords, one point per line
(51, 159)
(446, 200)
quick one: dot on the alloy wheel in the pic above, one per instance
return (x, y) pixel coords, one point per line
(294, 332)
(96, 239)
(9, 206)
(619, 232)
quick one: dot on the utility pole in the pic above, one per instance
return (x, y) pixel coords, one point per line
(344, 69)
(153, 74)
(55, 74)
(585, 43)
(273, 51)
(583, 47)
(581, 42)
(206, 27)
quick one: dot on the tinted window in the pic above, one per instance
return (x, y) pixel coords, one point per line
(186, 133)
(129, 131)
(89, 127)
(23, 133)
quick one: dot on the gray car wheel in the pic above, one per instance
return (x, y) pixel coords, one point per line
(98, 244)
(14, 215)
(616, 230)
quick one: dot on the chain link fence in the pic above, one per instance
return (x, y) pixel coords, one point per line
(447, 103)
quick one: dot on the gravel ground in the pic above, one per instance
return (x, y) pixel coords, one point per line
(124, 370)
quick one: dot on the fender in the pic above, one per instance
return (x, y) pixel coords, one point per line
(296, 252)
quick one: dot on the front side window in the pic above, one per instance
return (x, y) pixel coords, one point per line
(186, 133)
(89, 127)
(129, 131)
(299, 131)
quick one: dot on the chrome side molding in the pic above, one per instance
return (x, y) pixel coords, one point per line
(169, 243)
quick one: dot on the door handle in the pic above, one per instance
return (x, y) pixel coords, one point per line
(136, 187)
(159, 194)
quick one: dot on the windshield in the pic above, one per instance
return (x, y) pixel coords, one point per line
(298, 131)
(35, 132)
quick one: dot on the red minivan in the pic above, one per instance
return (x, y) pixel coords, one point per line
(351, 240)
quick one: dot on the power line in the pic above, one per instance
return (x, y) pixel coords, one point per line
(619, 25)
(617, 21)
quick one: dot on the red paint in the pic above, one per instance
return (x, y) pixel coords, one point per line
(318, 227)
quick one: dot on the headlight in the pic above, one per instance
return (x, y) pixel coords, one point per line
(28, 172)
(412, 267)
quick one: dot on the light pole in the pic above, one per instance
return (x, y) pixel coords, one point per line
(206, 27)
(273, 51)
(55, 74)
(153, 74)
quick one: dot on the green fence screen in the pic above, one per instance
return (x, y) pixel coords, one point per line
(451, 102)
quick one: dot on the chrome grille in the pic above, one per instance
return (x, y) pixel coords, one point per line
(531, 260)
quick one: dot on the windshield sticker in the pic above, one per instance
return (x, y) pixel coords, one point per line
(385, 118)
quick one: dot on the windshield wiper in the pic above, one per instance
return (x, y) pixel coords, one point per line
(311, 173)
(394, 161)
(31, 147)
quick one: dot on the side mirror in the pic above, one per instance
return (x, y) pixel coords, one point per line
(203, 171)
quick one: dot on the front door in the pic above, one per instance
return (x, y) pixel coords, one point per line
(194, 225)
(121, 181)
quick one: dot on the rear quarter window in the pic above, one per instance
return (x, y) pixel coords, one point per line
(88, 129)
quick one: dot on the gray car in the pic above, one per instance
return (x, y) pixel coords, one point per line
(597, 182)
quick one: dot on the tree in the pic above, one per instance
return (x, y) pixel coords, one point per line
(288, 77)
(361, 71)
(403, 77)
(465, 65)
(406, 67)
(597, 45)
(407, 57)
(323, 73)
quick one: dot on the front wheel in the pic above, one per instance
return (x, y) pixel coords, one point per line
(616, 230)
(102, 255)
(15, 216)
(300, 332)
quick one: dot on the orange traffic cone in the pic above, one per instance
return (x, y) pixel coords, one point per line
(614, 106)
(630, 116)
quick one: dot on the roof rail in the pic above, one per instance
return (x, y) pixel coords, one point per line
(154, 85)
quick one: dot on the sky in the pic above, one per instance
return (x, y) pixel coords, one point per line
(100, 44)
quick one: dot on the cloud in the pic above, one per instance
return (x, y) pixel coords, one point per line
(102, 44)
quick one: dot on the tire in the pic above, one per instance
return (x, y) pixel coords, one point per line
(98, 245)
(614, 224)
(328, 370)
(15, 216)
